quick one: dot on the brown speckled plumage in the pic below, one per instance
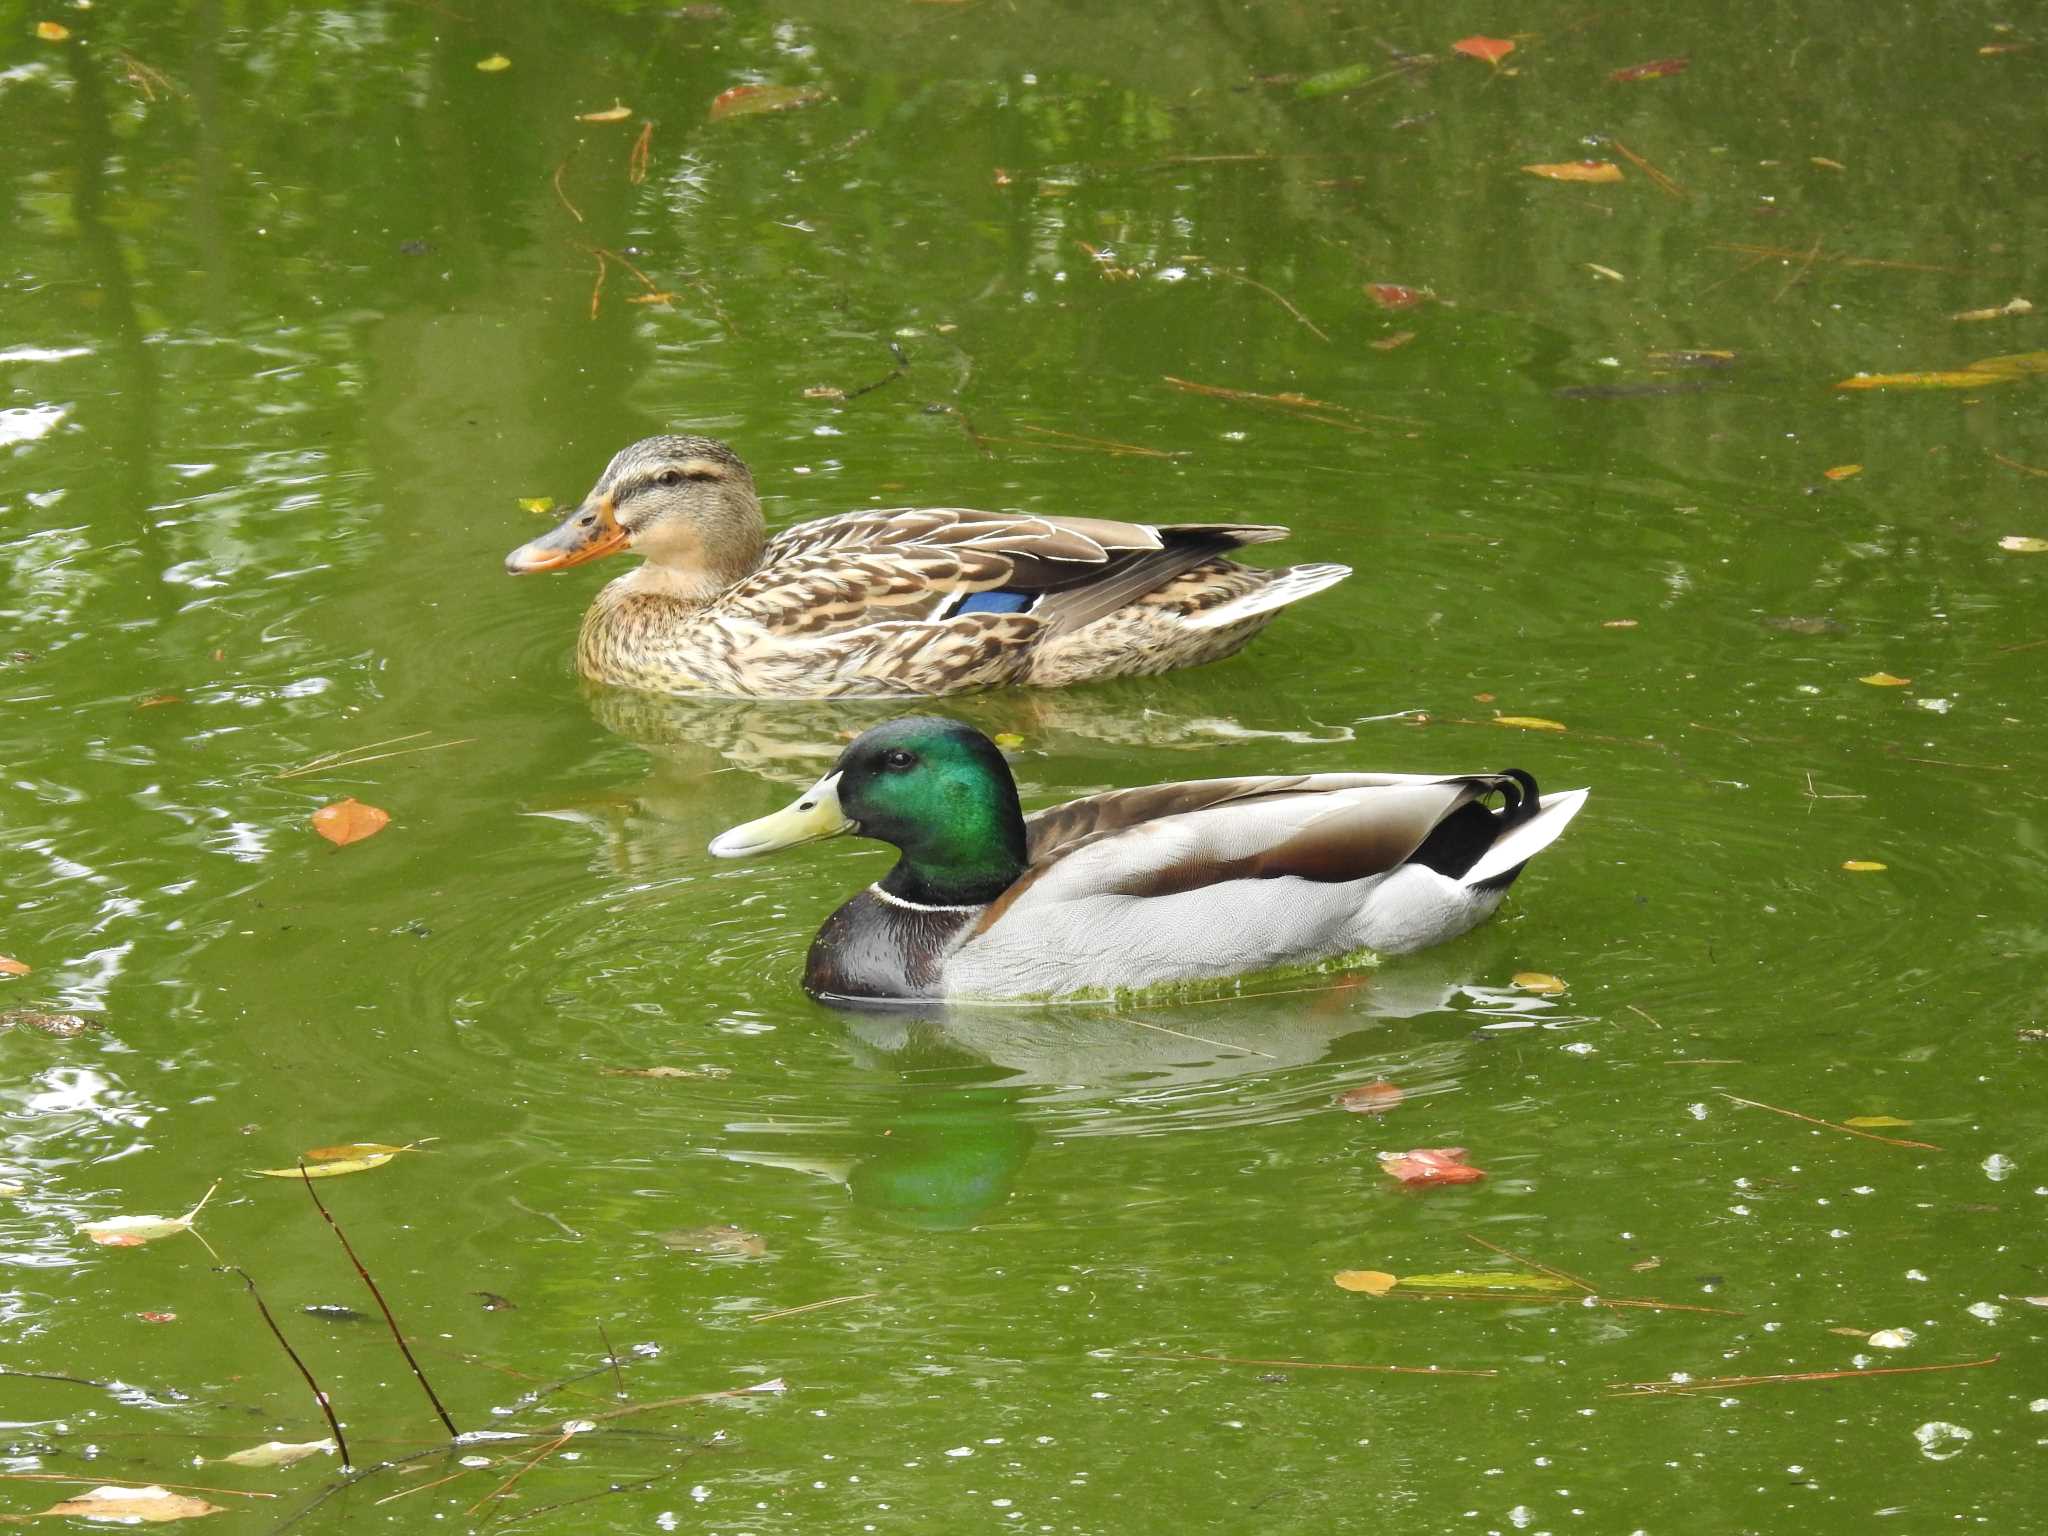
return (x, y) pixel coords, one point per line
(863, 604)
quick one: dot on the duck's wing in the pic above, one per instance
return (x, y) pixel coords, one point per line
(917, 564)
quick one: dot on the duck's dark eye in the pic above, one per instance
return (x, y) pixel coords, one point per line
(896, 757)
(669, 477)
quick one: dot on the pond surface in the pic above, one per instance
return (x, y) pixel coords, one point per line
(298, 306)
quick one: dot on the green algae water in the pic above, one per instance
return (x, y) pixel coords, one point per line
(299, 305)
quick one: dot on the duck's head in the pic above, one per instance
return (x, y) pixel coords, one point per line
(685, 503)
(935, 788)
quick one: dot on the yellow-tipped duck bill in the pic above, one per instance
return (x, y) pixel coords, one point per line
(814, 814)
(585, 534)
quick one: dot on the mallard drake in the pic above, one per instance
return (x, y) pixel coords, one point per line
(1140, 887)
(907, 602)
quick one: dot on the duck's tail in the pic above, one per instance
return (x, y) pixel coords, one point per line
(1529, 826)
(1289, 585)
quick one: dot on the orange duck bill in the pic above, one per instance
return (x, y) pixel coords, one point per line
(588, 533)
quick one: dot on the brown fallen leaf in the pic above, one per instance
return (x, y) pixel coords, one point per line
(1373, 1098)
(349, 821)
(1396, 295)
(1656, 69)
(62, 1025)
(1577, 170)
(151, 1505)
(751, 100)
(1540, 982)
(1370, 1282)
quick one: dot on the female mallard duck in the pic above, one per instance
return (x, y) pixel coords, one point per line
(1141, 887)
(900, 603)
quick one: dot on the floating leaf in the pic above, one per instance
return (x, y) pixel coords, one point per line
(1826, 164)
(1538, 981)
(132, 1231)
(2023, 544)
(1491, 49)
(332, 1162)
(151, 1505)
(61, 1025)
(1851, 1333)
(1843, 471)
(158, 1317)
(1607, 272)
(751, 100)
(1891, 1338)
(1978, 375)
(1885, 680)
(617, 112)
(1693, 357)
(1396, 295)
(349, 821)
(659, 1072)
(1656, 69)
(494, 64)
(1652, 1262)
(278, 1453)
(1370, 1282)
(10, 967)
(1388, 343)
(1528, 722)
(1875, 1122)
(1577, 170)
(1487, 1280)
(536, 503)
(1862, 866)
(1373, 1098)
(1430, 1165)
(52, 31)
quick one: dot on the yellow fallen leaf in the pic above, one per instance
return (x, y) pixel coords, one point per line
(494, 63)
(1485, 1280)
(132, 1231)
(2023, 544)
(1843, 471)
(1538, 981)
(151, 1505)
(52, 31)
(1527, 722)
(1875, 1122)
(617, 112)
(1369, 1282)
(536, 503)
(278, 1453)
(1862, 866)
(1008, 740)
(1577, 170)
(1884, 680)
(349, 821)
(1978, 375)
(333, 1162)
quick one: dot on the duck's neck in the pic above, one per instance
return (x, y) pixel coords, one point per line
(693, 560)
(691, 586)
(958, 873)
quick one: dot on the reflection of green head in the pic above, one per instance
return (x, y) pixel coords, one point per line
(941, 792)
(945, 1163)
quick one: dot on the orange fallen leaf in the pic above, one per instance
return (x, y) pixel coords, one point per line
(1528, 722)
(1371, 1282)
(158, 1317)
(1538, 981)
(1430, 1165)
(52, 31)
(1577, 170)
(1491, 49)
(618, 112)
(1885, 680)
(1656, 69)
(1373, 1098)
(1395, 295)
(1843, 471)
(11, 967)
(1862, 866)
(349, 821)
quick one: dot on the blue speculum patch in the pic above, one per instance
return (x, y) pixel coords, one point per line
(993, 602)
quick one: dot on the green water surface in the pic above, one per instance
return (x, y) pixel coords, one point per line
(297, 304)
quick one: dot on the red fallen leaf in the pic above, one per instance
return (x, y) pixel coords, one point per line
(747, 100)
(1431, 1165)
(158, 1317)
(349, 821)
(1491, 49)
(1656, 69)
(1373, 1098)
(1395, 295)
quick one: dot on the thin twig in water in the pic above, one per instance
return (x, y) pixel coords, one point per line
(1319, 333)
(1657, 178)
(902, 367)
(1768, 251)
(546, 1216)
(1315, 1365)
(557, 179)
(1632, 1008)
(2025, 469)
(1847, 1130)
(319, 1396)
(531, 1462)
(597, 288)
(812, 1306)
(1723, 1383)
(1109, 445)
(585, 1498)
(1556, 1274)
(347, 1248)
(1800, 272)
(356, 757)
(612, 1356)
(1224, 1045)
